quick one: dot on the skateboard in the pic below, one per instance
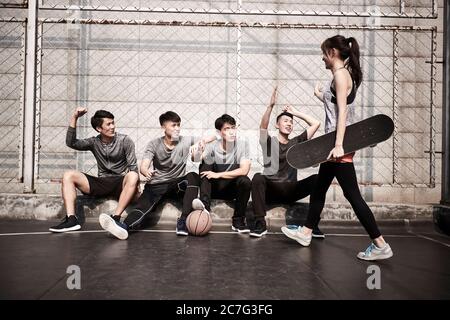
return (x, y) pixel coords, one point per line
(359, 135)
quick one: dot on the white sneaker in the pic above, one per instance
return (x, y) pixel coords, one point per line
(374, 253)
(297, 235)
(117, 229)
(197, 204)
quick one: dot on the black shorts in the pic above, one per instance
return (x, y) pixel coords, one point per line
(110, 186)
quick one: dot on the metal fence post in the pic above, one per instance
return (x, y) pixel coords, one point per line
(395, 98)
(30, 97)
(445, 196)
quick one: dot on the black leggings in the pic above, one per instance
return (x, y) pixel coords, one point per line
(346, 176)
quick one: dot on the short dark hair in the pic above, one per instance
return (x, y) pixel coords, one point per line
(169, 116)
(285, 114)
(97, 118)
(225, 118)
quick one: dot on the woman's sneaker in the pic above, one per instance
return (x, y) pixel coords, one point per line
(113, 225)
(316, 233)
(374, 253)
(297, 235)
(69, 223)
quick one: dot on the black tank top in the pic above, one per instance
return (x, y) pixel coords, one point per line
(351, 96)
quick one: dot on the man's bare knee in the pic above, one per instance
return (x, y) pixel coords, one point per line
(69, 177)
(77, 179)
(131, 179)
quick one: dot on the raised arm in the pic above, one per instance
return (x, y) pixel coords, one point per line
(318, 92)
(266, 116)
(197, 149)
(313, 123)
(71, 136)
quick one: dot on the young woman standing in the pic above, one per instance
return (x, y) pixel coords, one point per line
(341, 57)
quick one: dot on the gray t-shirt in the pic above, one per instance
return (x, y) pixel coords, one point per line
(276, 167)
(114, 158)
(226, 161)
(168, 164)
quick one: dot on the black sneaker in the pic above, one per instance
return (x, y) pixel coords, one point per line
(259, 229)
(239, 225)
(181, 227)
(113, 225)
(316, 233)
(69, 223)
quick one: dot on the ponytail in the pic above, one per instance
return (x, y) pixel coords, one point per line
(353, 61)
(349, 52)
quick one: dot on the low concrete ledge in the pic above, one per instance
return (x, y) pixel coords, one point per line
(46, 207)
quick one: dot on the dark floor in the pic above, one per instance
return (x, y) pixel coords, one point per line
(159, 265)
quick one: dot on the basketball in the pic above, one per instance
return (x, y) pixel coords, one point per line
(199, 222)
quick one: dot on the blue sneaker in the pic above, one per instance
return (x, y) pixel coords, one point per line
(316, 233)
(113, 225)
(373, 253)
(297, 235)
(181, 227)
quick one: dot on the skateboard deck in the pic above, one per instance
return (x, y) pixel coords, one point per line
(359, 135)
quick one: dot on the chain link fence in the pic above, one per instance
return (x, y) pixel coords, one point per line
(343, 8)
(11, 100)
(13, 3)
(291, 58)
(138, 69)
(137, 75)
(142, 69)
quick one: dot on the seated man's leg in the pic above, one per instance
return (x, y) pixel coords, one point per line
(72, 180)
(110, 186)
(266, 191)
(205, 190)
(146, 203)
(237, 189)
(129, 189)
(189, 194)
(259, 185)
(304, 188)
(242, 194)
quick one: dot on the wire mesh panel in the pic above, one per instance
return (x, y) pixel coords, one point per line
(135, 72)
(11, 93)
(140, 69)
(414, 143)
(13, 3)
(291, 59)
(346, 7)
(197, 6)
(387, 8)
